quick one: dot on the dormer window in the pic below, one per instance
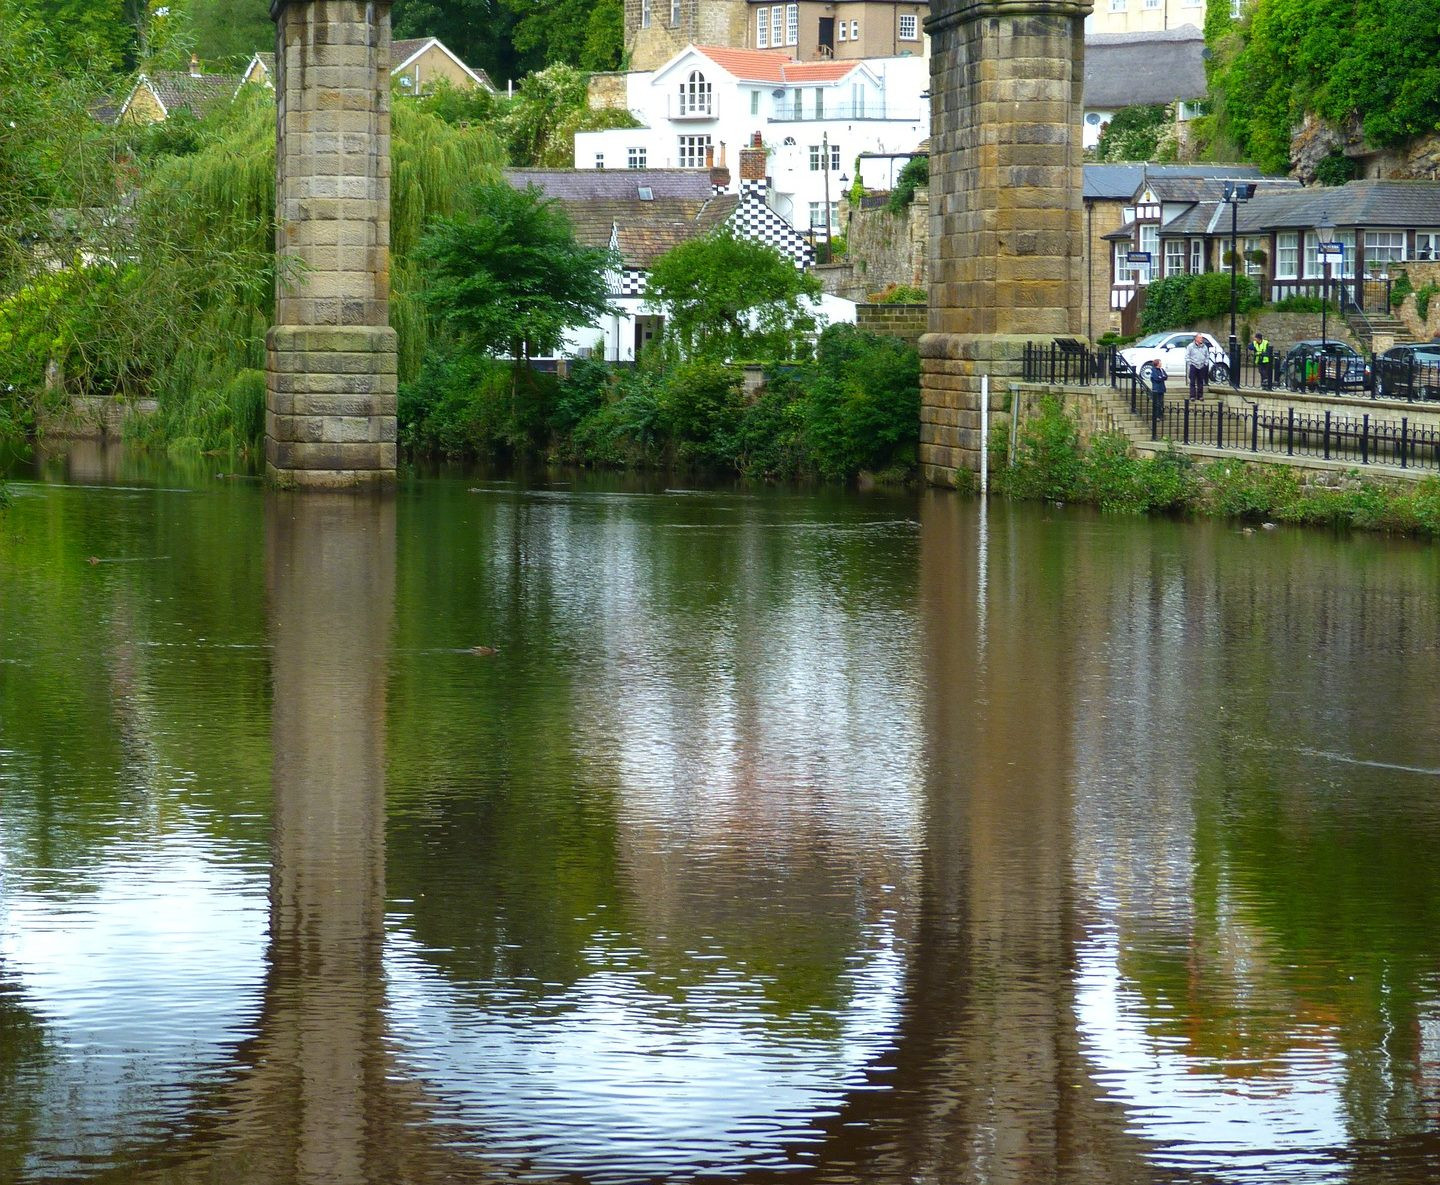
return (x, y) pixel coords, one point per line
(695, 94)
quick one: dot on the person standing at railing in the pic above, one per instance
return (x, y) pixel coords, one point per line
(1264, 360)
(1197, 366)
(1157, 388)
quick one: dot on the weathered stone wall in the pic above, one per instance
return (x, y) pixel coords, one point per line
(884, 248)
(907, 321)
(704, 22)
(607, 91)
(331, 354)
(1007, 233)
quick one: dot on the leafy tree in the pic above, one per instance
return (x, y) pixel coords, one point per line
(507, 275)
(1370, 60)
(88, 35)
(863, 405)
(232, 29)
(915, 175)
(726, 296)
(604, 46)
(1138, 133)
(480, 31)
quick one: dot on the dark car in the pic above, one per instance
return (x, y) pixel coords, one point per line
(1324, 366)
(1409, 372)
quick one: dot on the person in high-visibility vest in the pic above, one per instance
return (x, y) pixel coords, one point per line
(1264, 360)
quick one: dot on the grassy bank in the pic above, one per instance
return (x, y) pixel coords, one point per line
(1053, 463)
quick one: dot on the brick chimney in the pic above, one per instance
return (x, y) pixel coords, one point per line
(752, 168)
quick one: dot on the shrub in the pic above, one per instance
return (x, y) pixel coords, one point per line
(700, 408)
(1422, 298)
(1182, 300)
(915, 175)
(862, 409)
(1048, 461)
(900, 294)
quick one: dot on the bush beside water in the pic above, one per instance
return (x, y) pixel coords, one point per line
(854, 408)
(1053, 463)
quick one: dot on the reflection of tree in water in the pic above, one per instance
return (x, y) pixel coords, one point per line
(22, 1050)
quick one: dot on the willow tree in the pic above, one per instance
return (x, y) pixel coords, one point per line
(177, 305)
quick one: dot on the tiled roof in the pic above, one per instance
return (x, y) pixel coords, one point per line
(181, 91)
(404, 47)
(1121, 182)
(1278, 206)
(1144, 69)
(599, 201)
(752, 65)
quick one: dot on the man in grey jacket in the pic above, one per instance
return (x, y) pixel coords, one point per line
(1197, 366)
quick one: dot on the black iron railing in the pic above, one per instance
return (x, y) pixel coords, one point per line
(1363, 439)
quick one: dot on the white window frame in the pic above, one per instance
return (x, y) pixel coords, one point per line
(1197, 256)
(693, 151)
(1117, 5)
(792, 24)
(1125, 271)
(674, 14)
(635, 157)
(1234, 10)
(644, 14)
(1287, 255)
(777, 25)
(840, 34)
(599, 160)
(1247, 245)
(754, 102)
(908, 20)
(1150, 241)
(762, 28)
(854, 30)
(1174, 257)
(1384, 247)
(696, 95)
(1346, 270)
(1427, 244)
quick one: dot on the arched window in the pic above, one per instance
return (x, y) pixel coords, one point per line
(695, 95)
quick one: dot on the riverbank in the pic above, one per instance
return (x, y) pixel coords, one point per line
(1054, 462)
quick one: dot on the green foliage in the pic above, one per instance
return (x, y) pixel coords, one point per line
(901, 294)
(460, 106)
(857, 188)
(1301, 302)
(233, 30)
(508, 273)
(700, 410)
(1422, 298)
(1336, 169)
(915, 175)
(465, 405)
(535, 123)
(731, 297)
(1139, 133)
(604, 45)
(479, 31)
(1184, 299)
(1118, 481)
(1049, 463)
(1374, 59)
(862, 408)
(91, 31)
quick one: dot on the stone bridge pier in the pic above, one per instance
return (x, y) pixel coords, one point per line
(1006, 216)
(331, 354)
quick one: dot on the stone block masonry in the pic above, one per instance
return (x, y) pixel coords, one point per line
(1006, 217)
(331, 354)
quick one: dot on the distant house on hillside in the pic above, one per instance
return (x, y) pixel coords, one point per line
(417, 64)
(157, 95)
(642, 213)
(1142, 70)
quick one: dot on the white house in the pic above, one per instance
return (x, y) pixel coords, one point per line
(814, 119)
(642, 213)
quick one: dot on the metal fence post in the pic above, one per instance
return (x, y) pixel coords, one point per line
(1254, 427)
(1219, 423)
(1290, 433)
(1327, 433)
(1365, 441)
(1404, 441)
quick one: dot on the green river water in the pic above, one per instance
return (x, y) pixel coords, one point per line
(584, 830)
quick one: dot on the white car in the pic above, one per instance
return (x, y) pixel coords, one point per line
(1170, 348)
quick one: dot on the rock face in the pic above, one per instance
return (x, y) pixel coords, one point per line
(1315, 139)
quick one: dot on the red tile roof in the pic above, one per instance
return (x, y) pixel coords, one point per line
(753, 65)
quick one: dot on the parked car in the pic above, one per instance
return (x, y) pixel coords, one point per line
(1409, 372)
(1309, 362)
(1170, 347)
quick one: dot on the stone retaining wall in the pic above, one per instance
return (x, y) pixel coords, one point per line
(905, 321)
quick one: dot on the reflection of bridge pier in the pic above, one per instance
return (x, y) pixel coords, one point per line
(315, 1098)
(990, 1083)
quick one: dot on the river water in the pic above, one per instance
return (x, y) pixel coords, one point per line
(587, 831)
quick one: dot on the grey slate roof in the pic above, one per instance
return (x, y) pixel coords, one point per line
(1121, 182)
(597, 201)
(1370, 204)
(1143, 69)
(195, 93)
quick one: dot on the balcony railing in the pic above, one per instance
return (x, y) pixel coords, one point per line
(799, 113)
(693, 107)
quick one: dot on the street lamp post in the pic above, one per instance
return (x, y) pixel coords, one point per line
(1235, 193)
(825, 153)
(1324, 233)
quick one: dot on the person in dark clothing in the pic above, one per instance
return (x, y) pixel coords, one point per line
(1157, 388)
(1197, 366)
